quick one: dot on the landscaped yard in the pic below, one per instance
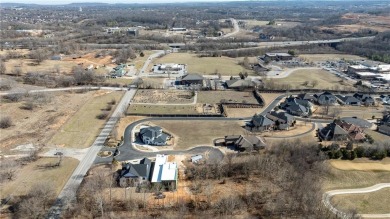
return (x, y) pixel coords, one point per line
(81, 130)
(205, 65)
(377, 202)
(33, 173)
(199, 133)
(325, 80)
(163, 96)
(212, 97)
(167, 109)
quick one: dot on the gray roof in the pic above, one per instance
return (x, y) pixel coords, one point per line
(348, 99)
(260, 120)
(236, 83)
(192, 77)
(136, 170)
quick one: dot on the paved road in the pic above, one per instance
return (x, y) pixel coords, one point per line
(328, 196)
(68, 193)
(149, 60)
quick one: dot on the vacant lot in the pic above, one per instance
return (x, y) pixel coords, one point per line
(205, 65)
(81, 130)
(325, 80)
(121, 81)
(378, 137)
(212, 97)
(362, 164)
(37, 126)
(199, 133)
(362, 112)
(29, 65)
(367, 203)
(34, 173)
(328, 57)
(163, 96)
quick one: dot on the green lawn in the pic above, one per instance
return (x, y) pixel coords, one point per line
(81, 130)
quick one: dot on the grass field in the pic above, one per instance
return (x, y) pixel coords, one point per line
(81, 130)
(168, 109)
(377, 202)
(347, 179)
(362, 164)
(121, 81)
(328, 57)
(31, 174)
(206, 65)
(230, 96)
(378, 137)
(199, 133)
(325, 79)
(28, 65)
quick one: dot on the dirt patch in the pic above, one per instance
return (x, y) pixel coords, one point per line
(362, 164)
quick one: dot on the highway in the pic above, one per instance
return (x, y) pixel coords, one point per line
(68, 193)
(326, 199)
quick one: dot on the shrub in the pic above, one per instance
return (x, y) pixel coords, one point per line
(28, 105)
(108, 107)
(14, 97)
(102, 115)
(112, 102)
(5, 122)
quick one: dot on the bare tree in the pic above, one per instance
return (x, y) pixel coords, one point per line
(39, 55)
(3, 68)
(37, 201)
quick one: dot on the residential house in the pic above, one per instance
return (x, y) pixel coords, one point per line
(245, 143)
(306, 96)
(325, 98)
(366, 99)
(191, 79)
(239, 84)
(135, 174)
(260, 123)
(153, 135)
(348, 100)
(385, 99)
(271, 121)
(385, 129)
(297, 107)
(340, 130)
(165, 172)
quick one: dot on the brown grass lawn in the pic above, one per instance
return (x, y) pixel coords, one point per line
(377, 202)
(362, 112)
(362, 164)
(81, 130)
(197, 133)
(325, 79)
(329, 57)
(205, 65)
(31, 174)
(121, 81)
(346, 179)
(300, 127)
(212, 97)
(168, 109)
